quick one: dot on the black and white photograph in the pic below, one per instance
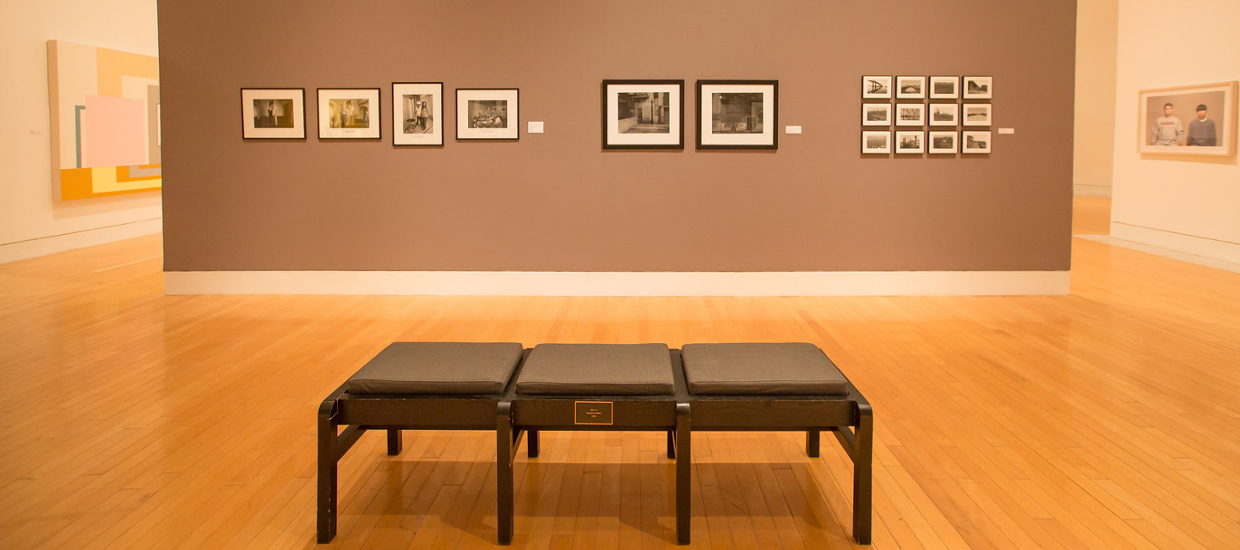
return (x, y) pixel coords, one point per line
(978, 87)
(876, 87)
(910, 142)
(643, 114)
(910, 87)
(942, 142)
(975, 114)
(876, 114)
(975, 142)
(273, 113)
(349, 113)
(737, 114)
(910, 114)
(417, 113)
(875, 143)
(944, 87)
(489, 113)
(1188, 120)
(943, 114)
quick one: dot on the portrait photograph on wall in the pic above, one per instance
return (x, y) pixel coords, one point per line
(417, 113)
(875, 143)
(643, 114)
(487, 113)
(738, 114)
(876, 114)
(944, 87)
(349, 113)
(1188, 120)
(273, 113)
(942, 143)
(876, 87)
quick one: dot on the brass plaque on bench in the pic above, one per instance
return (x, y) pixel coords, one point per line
(592, 412)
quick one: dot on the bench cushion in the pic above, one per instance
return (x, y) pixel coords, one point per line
(761, 369)
(597, 369)
(438, 368)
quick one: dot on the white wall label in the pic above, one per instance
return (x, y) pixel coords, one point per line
(792, 129)
(536, 127)
(1007, 130)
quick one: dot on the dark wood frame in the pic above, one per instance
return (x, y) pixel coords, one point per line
(457, 106)
(930, 87)
(964, 89)
(378, 108)
(303, 113)
(606, 97)
(925, 81)
(442, 128)
(774, 118)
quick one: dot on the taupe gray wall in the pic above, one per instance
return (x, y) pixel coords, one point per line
(556, 201)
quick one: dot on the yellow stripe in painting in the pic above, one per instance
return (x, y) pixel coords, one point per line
(105, 181)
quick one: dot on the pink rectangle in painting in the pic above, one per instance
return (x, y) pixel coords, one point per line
(113, 132)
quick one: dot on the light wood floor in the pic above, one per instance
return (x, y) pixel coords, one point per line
(1091, 216)
(1105, 419)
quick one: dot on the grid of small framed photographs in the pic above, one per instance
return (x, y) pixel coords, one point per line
(937, 115)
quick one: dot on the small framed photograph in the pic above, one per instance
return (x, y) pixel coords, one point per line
(944, 87)
(975, 114)
(875, 143)
(978, 87)
(738, 114)
(876, 114)
(910, 142)
(876, 87)
(273, 113)
(1188, 120)
(487, 113)
(910, 114)
(643, 114)
(975, 142)
(943, 142)
(349, 113)
(910, 87)
(417, 113)
(943, 114)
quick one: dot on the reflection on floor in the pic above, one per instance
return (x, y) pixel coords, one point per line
(1091, 216)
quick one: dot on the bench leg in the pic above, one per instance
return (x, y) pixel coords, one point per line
(327, 479)
(503, 478)
(862, 471)
(394, 442)
(671, 444)
(531, 443)
(684, 473)
(811, 443)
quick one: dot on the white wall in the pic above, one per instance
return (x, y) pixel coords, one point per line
(1094, 124)
(1191, 205)
(31, 222)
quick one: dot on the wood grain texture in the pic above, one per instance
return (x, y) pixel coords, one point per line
(1103, 419)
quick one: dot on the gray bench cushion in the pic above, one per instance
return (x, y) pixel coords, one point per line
(597, 369)
(761, 369)
(438, 368)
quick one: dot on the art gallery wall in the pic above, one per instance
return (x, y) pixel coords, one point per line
(32, 223)
(1094, 143)
(556, 202)
(1183, 203)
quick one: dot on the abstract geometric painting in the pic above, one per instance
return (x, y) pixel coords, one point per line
(105, 121)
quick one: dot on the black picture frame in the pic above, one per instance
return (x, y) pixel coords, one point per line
(376, 118)
(515, 128)
(680, 84)
(248, 131)
(440, 107)
(773, 145)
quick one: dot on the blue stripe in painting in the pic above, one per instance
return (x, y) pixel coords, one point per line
(77, 134)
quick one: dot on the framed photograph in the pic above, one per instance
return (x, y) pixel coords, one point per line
(738, 114)
(978, 87)
(943, 114)
(349, 113)
(417, 113)
(975, 114)
(487, 113)
(910, 114)
(273, 113)
(942, 142)
(944, 87)
(876, 114)
(876, 87)
(1188, 120)
(975, 142)
(875, 143)
(643, 114)
(910, 87)
(910, 142)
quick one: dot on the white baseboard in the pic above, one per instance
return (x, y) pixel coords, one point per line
(1101, 191)
(42, 246)
(526, 283)
(1201, 246)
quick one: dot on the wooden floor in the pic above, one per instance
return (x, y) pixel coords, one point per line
(1109, 418)
(1091, 216)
